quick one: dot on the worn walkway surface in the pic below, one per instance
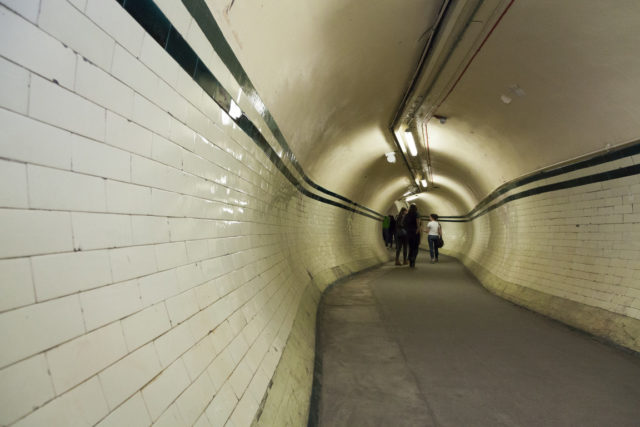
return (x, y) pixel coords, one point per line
(431, 347)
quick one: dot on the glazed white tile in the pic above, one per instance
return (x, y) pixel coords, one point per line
(136, 261)
(28, 140)
(35, 50)
(156, 58)
(244, 411)
(182, 135)
(158, 287)
(171, 255)
(133, 73)
(182, 306)
(99, 159)
(75, 361)
(16, 284)
(240, 378)
(14, 86)
(189, 276)
(195, 399)
(127, 198)
(144, 326)
(167, 152)
(67, 24)
(177, 14)
(32, 329)
(80, 4)
(165, 388)
(189, 89)
(170, 417)
(84, 405)
(30, 232)
(200, 247)
(63, 274)
(174, 343)
(222, 406)
(114, 20)
(125, 377)
(96, 85)
(55, 105)
(199, 357)
(23, 386)
(199, 326)
(56, 189)
(13, 185)
(150, 229)
(150, 116)
(26, 8)
(127, 135)
(132, 413)
(109, 303)
(101, 231)
(171, 101)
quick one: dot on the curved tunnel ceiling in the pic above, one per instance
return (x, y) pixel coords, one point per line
(524, 85)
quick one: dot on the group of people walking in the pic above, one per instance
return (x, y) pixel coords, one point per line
(406, 230)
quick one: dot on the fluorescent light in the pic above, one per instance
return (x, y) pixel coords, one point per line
(401, 142)
(234, 111)
(410, 198)
(411, 143)
(407, 193)
(424, 183)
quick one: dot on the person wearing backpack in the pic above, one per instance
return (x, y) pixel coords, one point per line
(401, 238)
(435, 235)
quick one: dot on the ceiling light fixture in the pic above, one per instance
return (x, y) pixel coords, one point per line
(424, 183)
(391, 157)
(410, 198)
(411, 143)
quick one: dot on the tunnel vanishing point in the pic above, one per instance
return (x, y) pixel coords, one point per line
(182, 179)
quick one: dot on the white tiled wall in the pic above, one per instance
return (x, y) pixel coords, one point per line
(578, 244)
(153, 262)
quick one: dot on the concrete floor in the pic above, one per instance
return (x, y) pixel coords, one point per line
(431, 347)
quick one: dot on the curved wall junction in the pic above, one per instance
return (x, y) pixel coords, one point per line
(164, 239)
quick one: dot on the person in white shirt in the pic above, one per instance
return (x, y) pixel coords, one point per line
(435, 234)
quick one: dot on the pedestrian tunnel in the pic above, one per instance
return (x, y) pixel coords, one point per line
(181, 181)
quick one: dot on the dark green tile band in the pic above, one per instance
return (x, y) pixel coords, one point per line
(151, 18)
(585, 180)
(616, 154)
(207, 23)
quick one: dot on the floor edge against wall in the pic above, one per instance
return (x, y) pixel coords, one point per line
(287, 400)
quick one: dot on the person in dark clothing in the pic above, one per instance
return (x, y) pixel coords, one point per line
(392, 230)
(401, 238)
(385, 230)
(412, 225)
